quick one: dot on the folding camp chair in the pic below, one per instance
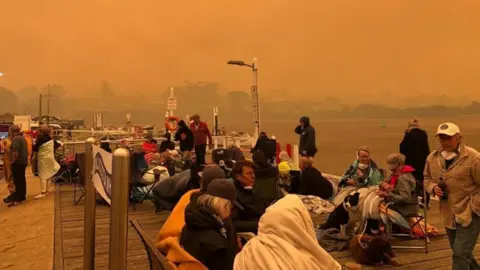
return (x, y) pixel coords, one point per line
(418, 218)
(140, 169)
(65, 173)
(156, 260)
(78, 180)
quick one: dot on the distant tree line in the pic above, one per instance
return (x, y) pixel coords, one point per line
(200, 97)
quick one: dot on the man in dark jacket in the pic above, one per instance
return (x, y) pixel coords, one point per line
(415, 148)
(184, 136)
(266, 145)
(246, 220)
(19, 159)
(307, 146)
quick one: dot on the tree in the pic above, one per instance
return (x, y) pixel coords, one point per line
(53, 89)
(238, 101)
(195, 97)
(106, 91)
(8, 101)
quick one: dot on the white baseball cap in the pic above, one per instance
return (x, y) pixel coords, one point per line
(449, 129)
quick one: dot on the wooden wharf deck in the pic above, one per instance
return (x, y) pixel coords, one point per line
(68, 253)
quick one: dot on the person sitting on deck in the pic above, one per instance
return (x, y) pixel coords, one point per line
(168, 238)
(176, 220)
(312, 181)
(286, 163)
(246, 219)
(400, 187)
(167, 144)
(286, 240)
(206, 235)
(149, 145)
(266, 179)
(362, 172)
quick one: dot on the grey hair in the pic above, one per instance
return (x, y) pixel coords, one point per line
(396, 158)
(214, 205)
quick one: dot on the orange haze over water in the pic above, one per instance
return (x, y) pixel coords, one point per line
(310, 48)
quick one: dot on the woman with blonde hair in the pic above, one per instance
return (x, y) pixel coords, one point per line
(206, 236)
(286, 240)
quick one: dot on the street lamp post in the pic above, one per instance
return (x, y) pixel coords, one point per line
(254, 91)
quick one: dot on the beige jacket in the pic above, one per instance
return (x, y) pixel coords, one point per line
(463, 184)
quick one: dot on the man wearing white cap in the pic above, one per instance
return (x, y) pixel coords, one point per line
(452, 174)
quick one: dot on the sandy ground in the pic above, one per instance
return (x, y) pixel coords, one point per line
(26, 238)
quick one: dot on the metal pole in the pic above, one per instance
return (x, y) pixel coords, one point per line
(170, 112)
(255, 105)
(89, 214)
(215, 121)
(48, 106)
(119, 210)
(40, 110)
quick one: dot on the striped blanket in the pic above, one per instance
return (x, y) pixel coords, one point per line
(370, 206)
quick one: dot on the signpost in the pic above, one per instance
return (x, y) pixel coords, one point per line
(171, 103)
(255, 109)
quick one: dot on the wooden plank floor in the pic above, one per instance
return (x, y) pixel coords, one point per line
(69, 238)
(69, 241)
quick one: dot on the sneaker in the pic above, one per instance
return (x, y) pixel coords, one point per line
(8, 199)
(41, 195)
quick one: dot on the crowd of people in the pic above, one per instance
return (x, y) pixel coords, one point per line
(247, 215)
(18, 152)
(236, 220)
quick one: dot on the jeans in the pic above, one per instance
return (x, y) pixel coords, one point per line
(462, 242)
(18, 173)
(200, 152)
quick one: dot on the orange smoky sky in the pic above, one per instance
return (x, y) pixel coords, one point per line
(307, 47)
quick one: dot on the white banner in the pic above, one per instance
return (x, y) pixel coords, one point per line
(102, 172)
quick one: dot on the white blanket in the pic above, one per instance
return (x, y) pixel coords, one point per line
(286, 240)
(47, 166)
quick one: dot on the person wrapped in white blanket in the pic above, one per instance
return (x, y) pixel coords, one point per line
(286, 240)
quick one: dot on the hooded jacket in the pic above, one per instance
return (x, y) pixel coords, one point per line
(416, 150)
(307, 137)
(202, 238)
(186, 143)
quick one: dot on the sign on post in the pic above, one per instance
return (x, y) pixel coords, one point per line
(23, 121)
(171, 103)
(98, 121)
(255, 111)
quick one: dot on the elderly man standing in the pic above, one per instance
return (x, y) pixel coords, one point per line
(19, 159)
(201, 133)
(452, 173)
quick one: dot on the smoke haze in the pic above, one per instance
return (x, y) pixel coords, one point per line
(306, 48)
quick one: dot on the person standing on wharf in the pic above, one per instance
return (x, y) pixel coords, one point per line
(452, 174)
(200, 132)
(307, 146)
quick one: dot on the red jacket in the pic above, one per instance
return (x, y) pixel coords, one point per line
(201, 133)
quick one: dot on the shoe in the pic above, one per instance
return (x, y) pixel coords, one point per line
(11, 204)
(8, 199)
(41, 195)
